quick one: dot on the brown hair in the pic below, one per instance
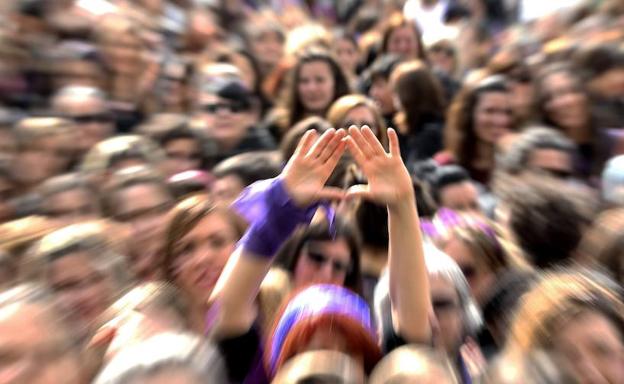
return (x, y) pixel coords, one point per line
(396, 21)
(185, 216)
(341, 107)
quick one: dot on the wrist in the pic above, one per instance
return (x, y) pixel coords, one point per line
(403, 205)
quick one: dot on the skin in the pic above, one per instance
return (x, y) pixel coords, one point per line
(461, 196)
(82, 290)
(403, 42)
(482, 279)
(592, 348)
(307, 272)
(45, 157)
(91, 133)
(34, 341)
(226, 127)
(360, 116)
(447, 324)
(566, 105)
(268, 47)
(147, 230)
(381, 92)
(550, 160)
(71, 206)
(609, 84)
(348, 55)
(182, 155)
(316, 86)
(492, 116)
(169, 376)
(226, 189)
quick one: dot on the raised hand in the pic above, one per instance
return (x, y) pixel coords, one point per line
(389, 181)
(311, 165)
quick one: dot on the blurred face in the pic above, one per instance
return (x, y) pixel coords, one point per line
(268, 48)
(33, 349)
(46, 157)
(381, 93)
(492, 116)
(315, 86)
(226, 189)
(565, 103)
(227, 121)
(144, 207)
(8, 146)
(461, 196)
(442, 59)
(91, 117)
(592, 349)
(360, 116)
(448, 324)
(202, 254)
(347, 55)
(71, 206)
(82, 290)
(323, 262)
(403, 42)
(183, 154)
(553, 161)
(479, 276)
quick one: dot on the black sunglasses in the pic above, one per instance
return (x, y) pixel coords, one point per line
(337, 266)
(232, 107)
(92, 118)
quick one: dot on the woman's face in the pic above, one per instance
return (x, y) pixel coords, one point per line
(316, 86)
(447, 325)
(492, 116)
(360, 116)
(323, 262)
(268, 47)
(564, 102)
(82, 290)
(202, 254)
(381, 92)
(348, 55)
(592, 348)
(479, 276)
(183, 154)
(404, 42)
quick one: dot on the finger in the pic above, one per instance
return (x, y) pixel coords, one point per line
(358, 155)
(359, 190)
(356, 134)
(393, 139)
(321, 143)
(335, 156)
(305, 143)
(331, 147)
(331, 193)
(372, 140)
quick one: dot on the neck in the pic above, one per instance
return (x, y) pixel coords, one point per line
(484, 157)
(197, 316)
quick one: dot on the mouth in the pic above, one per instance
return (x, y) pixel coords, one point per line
(207, 279)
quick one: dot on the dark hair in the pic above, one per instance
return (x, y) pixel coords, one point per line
(381, 68)
(396, 21)
(444, 176)
(207, 149)
(291, 252)
(296, 110)
(541, 97)
(249, 167)
(372, 222)
(420, 94)
(291, 139)
(595, 61)
(459, 136)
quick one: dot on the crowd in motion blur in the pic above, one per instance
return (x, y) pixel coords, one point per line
(291, 192)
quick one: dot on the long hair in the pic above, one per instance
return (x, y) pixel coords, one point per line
(396, 21)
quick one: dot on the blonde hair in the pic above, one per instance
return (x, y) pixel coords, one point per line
(341, 107)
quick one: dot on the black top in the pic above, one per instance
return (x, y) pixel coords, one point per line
(257, 139)
(243, 357)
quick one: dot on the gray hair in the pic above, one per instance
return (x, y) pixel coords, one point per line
(166, 351)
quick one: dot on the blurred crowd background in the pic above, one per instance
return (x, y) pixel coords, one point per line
(127, 127)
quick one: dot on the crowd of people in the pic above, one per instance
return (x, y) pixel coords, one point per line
(288, 191)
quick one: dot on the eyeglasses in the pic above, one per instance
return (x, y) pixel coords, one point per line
(92, 118)
(231, 107)
(338, 267)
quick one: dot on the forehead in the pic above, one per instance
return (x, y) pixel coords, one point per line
(442, 286)
(315, 67)
(141, 195)
(212, 222)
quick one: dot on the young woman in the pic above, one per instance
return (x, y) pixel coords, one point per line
(478, 117)
(401, 37)
(360, 111)
(281, 205)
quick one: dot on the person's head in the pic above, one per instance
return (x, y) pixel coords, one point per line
(377, 82)
(323, 255)
(119, 152)
(419, 95)
(577, 318)
(325, 317)
(266, 40)
(44, 149)
(479, 115)
(245, 63)
(602, 69)
(200, 238)
(443, 57)
(540, 149)
(8, 138)
(35, 338)
(320, 367)
(232, 175)
(68, 198)
(79, 265)
(185, 149)
(89, 110)
(166, 358)
(226, 108)
(347, 52)
(532, 368)
(317, 81)
(561, 101)
(413, 364)
(140, 198)
(357, 110)
(401, 36)
(451, 187)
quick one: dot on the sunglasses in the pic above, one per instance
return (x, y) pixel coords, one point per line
(320, 260)
(93, 118)
(231, 107)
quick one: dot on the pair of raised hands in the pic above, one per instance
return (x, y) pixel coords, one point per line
(315, 158)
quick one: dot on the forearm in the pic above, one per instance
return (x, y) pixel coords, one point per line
(409, 285)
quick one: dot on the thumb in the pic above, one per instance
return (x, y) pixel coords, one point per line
(360, 190)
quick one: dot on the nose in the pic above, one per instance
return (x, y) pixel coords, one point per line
(325, 273)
